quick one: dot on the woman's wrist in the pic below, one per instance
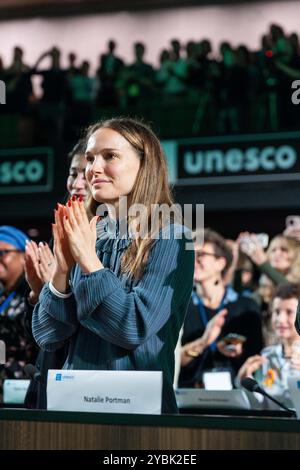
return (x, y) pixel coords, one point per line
(60, 281)
(90, 265)
(195, 349)
(33, 297)
(259, 258)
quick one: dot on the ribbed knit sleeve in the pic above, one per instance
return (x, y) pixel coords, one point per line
(54, 320)
(128, 319)
(272, 273)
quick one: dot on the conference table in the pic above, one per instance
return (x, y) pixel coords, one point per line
(22, 429)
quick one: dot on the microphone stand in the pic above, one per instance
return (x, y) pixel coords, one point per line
(281, 405)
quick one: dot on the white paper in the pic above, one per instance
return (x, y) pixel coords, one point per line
(293, 381)
(217, 380)
(105, 391)
(14, 391)
(199, 398)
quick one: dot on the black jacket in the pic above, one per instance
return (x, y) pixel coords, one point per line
(243, 318)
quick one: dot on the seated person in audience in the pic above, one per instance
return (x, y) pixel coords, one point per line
(215, 311)
(13, 290)
(272, 366)
(281, 261)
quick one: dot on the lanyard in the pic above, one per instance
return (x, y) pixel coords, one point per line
(6, 302)
(203, 313)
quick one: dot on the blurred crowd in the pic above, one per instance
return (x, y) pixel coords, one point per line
(235, 89)
(241, 317)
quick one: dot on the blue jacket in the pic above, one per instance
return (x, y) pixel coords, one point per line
(114, 323)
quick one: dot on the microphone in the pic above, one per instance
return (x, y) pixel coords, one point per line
(252, 386)
(30, 370)
(31, 395)
(33, 373)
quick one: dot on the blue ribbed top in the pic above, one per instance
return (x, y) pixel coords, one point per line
(114, 323)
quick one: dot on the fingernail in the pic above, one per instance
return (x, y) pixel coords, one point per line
(74, 198)
(69, 203)
(80, 199)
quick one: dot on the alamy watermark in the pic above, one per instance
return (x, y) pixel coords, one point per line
(296, 94)
(2, 92)
(160, 221)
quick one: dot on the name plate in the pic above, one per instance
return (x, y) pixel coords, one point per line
(105, 391)
(14, 391)
(199, 398)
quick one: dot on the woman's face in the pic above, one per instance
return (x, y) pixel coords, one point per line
(207, 265)
(283, 318)
(76, 182)
(280, 256)
(112, 165)
(11, 264)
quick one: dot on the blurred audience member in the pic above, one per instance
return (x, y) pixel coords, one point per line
(272, 367)
(281, 261)
(82, 91)
(13, 291)
(215, 311)
(55, 93)
(108, 74)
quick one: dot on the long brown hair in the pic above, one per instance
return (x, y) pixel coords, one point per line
(151, 186)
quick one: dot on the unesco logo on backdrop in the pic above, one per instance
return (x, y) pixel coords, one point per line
(2, 92)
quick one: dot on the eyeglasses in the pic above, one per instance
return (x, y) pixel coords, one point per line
(5, 252)
(200, 254)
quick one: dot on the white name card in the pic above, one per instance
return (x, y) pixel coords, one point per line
(217, 380)
(105, 391)
(293, 381)
(199, 398)
(14, 391)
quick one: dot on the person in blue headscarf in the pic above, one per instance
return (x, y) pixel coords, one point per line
(20, 350)
(12, 248)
